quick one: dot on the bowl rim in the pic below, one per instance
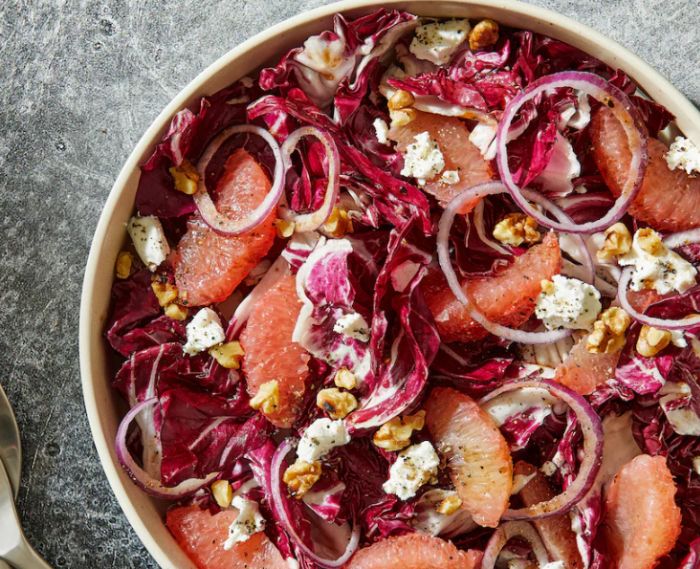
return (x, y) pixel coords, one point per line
(657, 86)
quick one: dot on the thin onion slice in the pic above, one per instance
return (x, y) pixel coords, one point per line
(622, 108)
(140, 477)
(504, 534)
(682, 238)
(664, 323)
(314, 219)
(218, 221)
(443, 236)
(592, 431)
(285, 515)
(586, 259)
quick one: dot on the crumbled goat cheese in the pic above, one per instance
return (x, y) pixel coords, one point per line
(204, 331)
(570, 304)
(320, 437)
(664, 272)
(415, 466)
(684, 155)
(423, 159)
(352, 325)
(382, 131)
(483, 136)
(437, 42)
(248, 522)
(450, 177)
(149, 240)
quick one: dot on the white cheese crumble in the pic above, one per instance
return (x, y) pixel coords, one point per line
(353, 325)
(554, 565)
(665, 271)
(683, 154)
(483, 136)
(415, 466)
(450, 177)
(423, 159)
(437, 42)
(149, 240)
(382, 130)
(320, 437)
(204, 331)
(248, 522)
(570, 304)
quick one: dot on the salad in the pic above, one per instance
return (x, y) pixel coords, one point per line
(422, 294)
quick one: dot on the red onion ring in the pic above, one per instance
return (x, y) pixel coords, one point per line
(313, 220)
(549, 206)
(444, 226)
(504, 534)
(139, 476)
(621, 107)
(664, 323)
(592, 431)
(213, 217)
(281, 503)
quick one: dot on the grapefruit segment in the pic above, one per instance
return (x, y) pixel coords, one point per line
(460, 154)
(209, 266)
(642, 520)
(202, 536)
(414, 551)
(270, 354)
(669, 200)
(583, 371)
(507, 298)
(555, 531)
(478, 456)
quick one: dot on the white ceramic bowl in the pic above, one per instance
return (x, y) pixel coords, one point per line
(101, 402)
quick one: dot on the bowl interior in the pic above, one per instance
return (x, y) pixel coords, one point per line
(103, 406)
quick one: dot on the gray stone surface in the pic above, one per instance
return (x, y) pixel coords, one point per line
(79, 82)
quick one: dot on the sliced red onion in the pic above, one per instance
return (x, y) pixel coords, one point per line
(481, 231)
(278, 488)
(504, 534)
(313, 220)
(549, 206)
(212, 216)
(622, 108)
(664, 323)
(592, 430)
(443, 236)
(140, 477)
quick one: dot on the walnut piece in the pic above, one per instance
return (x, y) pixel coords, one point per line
(516, 229)
(652, 340)
(483, 35)
(608, 334)
(396, 434)
(301, 476)
(338, 404)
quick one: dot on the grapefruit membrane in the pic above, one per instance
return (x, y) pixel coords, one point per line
(201, 535)
(669, 200)
(460, 154)
(583, 371)
(209, 266)
(478, 456)
(507, 298)
(642, 520)
(270, 354)
(414, 551)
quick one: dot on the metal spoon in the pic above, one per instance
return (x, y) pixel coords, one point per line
(14, 548)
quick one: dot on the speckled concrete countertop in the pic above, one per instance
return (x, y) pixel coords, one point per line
(79, 83)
